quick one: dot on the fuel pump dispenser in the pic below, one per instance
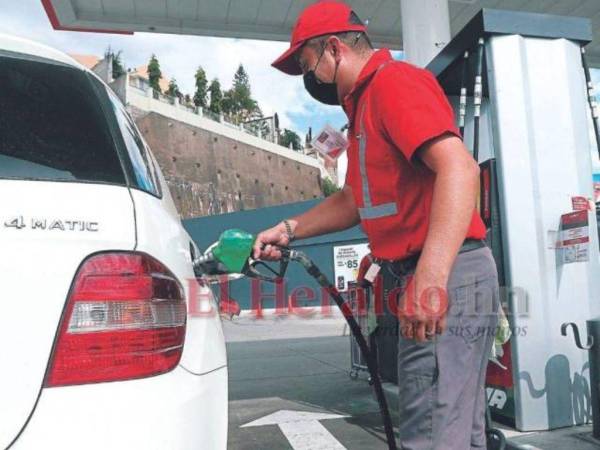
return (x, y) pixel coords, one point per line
(518, 86)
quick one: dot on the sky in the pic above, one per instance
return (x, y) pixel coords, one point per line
(180, 56)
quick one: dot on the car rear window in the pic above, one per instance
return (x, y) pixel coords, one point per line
(52, 126)
(145, 176)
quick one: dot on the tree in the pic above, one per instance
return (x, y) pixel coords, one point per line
(117, 64)
(237, 101)
(201, 88)
(308, 141)
(241, 80)
(264, 126)
(329, 187)
(259, 127)
(215, 97)
(227, 103)
(289, 137)
(173, 89)
(154, 73)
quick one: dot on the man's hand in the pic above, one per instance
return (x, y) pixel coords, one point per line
(423, 307)
(265, 246)
(337, 212)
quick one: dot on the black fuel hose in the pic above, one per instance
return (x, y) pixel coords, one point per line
(315, 272)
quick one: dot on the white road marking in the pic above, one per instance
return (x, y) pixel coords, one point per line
(302, 429)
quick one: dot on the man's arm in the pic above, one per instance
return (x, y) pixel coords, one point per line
(453, 203)
(337, 212)
(454, 200)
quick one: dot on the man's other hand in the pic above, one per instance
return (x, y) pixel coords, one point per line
(423, 308)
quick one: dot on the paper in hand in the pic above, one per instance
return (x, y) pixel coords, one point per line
(330, 142)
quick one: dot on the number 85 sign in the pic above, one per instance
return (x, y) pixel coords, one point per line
(346, 260)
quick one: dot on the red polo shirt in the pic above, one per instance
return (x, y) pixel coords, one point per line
(393, 109)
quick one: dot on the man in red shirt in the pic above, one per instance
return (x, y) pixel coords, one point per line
(412, 185)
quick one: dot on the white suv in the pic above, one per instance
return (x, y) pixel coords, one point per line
(106, 339)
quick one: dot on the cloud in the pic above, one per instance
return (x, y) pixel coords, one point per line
(180, 56)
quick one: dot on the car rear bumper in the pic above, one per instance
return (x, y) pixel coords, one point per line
(177, 410)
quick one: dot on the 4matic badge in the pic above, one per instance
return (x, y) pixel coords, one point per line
(37, 223)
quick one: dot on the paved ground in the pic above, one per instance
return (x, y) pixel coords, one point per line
(270, 373)
(280, 373)
(283, 327)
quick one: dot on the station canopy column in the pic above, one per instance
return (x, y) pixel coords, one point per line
(425, 29)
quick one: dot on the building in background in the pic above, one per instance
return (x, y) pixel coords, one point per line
(139, 77)
(89, 61)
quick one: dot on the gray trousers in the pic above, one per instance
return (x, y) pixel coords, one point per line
(442, 382)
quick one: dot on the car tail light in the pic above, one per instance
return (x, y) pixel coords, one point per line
(125, 318)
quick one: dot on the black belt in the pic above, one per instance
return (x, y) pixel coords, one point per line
(471, 244)
(410, 262)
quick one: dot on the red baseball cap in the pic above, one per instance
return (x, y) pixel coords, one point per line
(323, 17)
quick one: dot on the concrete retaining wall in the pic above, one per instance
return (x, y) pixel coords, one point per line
(210, 173)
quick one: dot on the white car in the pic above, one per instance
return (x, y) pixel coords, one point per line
(106, 339)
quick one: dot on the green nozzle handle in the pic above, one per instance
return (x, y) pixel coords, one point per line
(234, 249)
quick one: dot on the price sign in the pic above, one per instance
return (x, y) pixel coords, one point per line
(346, 260)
